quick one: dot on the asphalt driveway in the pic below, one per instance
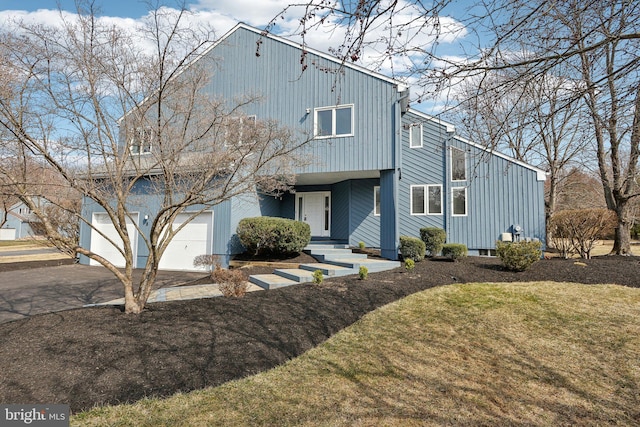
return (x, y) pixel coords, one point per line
(28, 292)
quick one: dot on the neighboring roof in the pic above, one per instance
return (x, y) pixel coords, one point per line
(541, 175)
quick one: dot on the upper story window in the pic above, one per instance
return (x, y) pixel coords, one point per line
(334, 121)
(415, 135)
(240, 129)
(458, 165)
(141, 141)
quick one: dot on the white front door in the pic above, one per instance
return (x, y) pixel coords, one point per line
(314, 208)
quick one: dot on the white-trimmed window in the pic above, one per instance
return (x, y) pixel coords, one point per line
(426, 200)
(415, 135)
(459, 201)
(334, 121)
(434, 199)
(239, 128)
(376, 200)
(141, 140)
(458, 165)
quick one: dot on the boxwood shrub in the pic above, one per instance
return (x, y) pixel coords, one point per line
(270, 235)
(454, 251)
(433, 238)
(412, 248)
(519, 256)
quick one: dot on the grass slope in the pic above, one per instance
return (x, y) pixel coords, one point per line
(482, 354)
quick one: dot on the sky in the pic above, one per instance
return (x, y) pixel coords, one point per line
(223, 15)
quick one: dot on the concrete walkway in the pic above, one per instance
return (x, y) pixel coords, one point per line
(180, 293)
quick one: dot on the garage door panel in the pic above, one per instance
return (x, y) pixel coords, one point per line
(101, 246)
(194, 239)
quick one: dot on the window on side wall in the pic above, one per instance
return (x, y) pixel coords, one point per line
(434, 199)
(459, 201)
(415, 135)
(239, 129)
(141, 141)
(426, 200)
(376, 200)
(334, 121)
(458, 165)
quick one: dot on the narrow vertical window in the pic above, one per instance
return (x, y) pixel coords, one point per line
(324, 122)
(458, 165)
(376, 200)
(141, 141)
(459, 201)
(435, 200)
(327, 208)
(418, 200)
(415, 135)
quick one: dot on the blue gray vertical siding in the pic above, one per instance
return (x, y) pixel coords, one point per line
(340, 210)
(287, 92)
(390, 215)
(421, 166)
(500, 193)
(365, 226)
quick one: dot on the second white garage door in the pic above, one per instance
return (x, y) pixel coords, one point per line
(106, 249)
(196, 238)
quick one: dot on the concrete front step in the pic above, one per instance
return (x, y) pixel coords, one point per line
(330, 270)
(335, 260)
(328, 256)
(373, 265)
(298, 275)
(271, 281)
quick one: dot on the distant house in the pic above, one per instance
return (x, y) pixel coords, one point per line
(19, 219)
(383, 170)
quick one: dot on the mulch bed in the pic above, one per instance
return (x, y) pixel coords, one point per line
(97, 356)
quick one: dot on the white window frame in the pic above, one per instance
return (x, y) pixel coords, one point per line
(428, 200)
(333, 110)
(250, 119)
(466, 201)
(424, 207)
(134, 141)
(425, 196)
(376, 201)
(412, 143)
(464, 154)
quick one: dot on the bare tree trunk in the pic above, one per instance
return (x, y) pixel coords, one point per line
(622, 243)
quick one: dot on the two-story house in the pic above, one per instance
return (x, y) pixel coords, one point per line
(379, 169)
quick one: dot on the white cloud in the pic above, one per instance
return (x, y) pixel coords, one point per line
(407, 31)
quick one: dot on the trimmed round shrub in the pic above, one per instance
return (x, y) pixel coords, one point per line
(433, 238)
(455, 251)
(409, 264)
(412, 248)
(519, 256)
(270, 235)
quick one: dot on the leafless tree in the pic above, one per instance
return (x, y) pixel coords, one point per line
(111, 110)
(535, 121)
(592, 42)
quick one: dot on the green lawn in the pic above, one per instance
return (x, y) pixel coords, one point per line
(482, 354)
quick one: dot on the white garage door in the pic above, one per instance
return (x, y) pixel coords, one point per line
(196, 238)
(103, 247)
